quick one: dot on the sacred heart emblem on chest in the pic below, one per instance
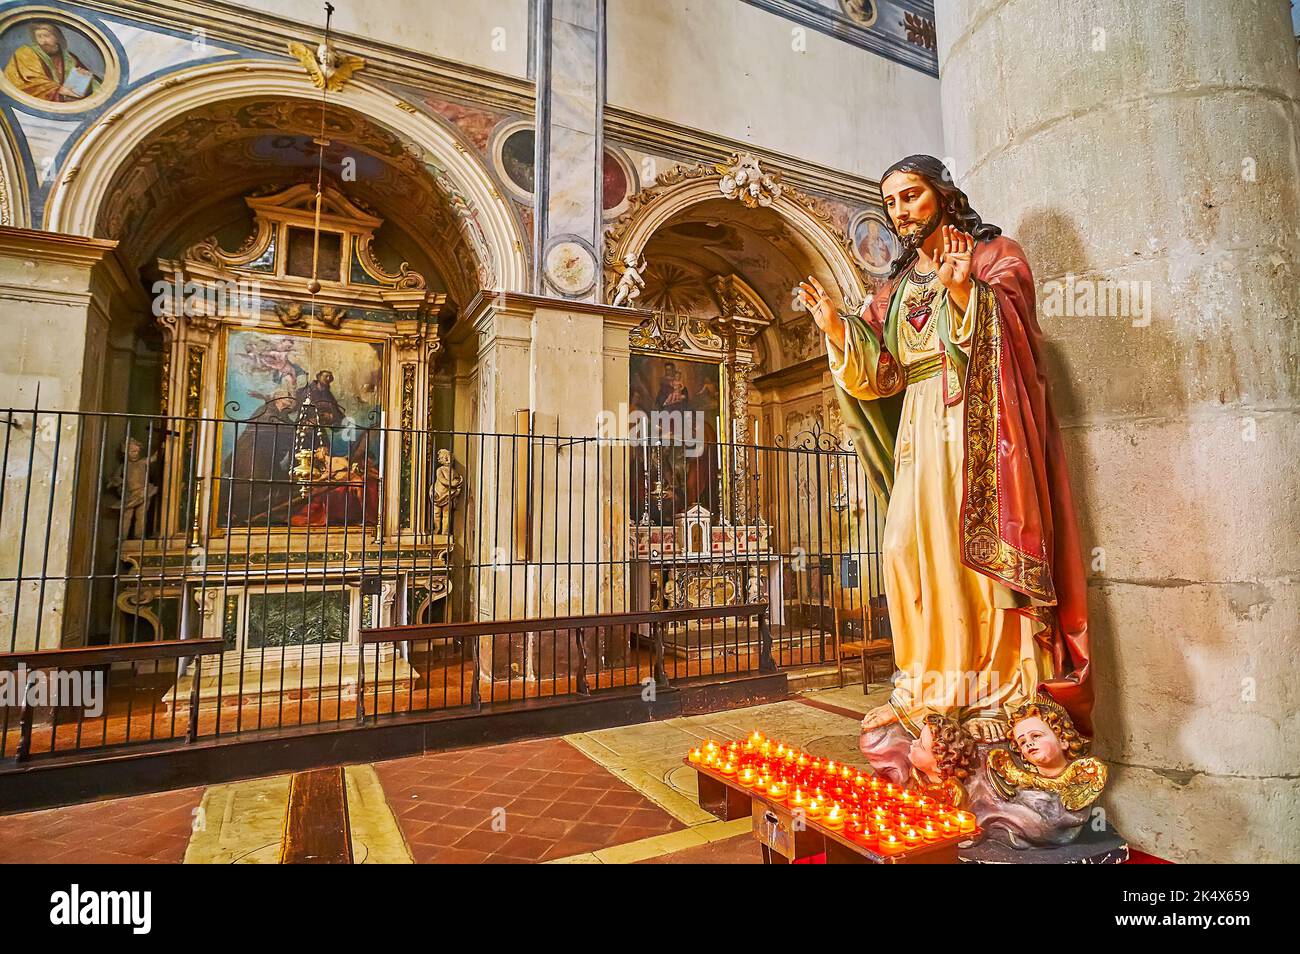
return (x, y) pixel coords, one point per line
(917, 307)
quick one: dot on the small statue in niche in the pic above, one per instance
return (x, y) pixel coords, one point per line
(632, 283)
(943, 757)
(447, 481)
(134, 491)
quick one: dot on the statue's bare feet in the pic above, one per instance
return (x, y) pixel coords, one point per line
(987, 730)
(879, 716)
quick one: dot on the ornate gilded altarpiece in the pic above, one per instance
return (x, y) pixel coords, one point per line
(296, 472)
(699, 538)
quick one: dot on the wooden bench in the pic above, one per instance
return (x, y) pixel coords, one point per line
(656, 619)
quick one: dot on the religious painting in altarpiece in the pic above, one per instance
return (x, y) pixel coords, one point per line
(313, 405)
(682, 400)
(298, 386)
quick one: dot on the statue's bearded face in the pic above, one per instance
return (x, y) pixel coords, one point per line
(914, 206)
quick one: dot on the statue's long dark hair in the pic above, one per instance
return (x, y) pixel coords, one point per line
(955, 205)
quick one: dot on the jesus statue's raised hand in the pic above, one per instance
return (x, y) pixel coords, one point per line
(814, 298)
(955, 265)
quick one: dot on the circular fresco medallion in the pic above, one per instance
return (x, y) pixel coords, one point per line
(874, 245)
(570, 266)
(55, 62)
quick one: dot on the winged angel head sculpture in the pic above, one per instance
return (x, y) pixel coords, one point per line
(328, 68)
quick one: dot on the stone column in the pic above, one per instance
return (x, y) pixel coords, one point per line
(501, 340)
(1154, 145)
(570, 99)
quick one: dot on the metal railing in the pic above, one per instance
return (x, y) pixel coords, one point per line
(286, 539)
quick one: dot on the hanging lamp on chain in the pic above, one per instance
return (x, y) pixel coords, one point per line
(307, 432)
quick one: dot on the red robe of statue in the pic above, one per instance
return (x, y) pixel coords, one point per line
(1017, 514)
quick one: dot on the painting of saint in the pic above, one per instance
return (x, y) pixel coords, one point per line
(682, 402)
(304, 451)
(51, 62)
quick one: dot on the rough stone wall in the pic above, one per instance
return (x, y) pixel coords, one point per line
(1157, 143)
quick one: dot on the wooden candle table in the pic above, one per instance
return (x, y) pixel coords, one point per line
(803, 806)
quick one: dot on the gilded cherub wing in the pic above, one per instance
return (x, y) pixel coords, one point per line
(1004, 773)
(348, 65)
(1087, 778)
(307, 57)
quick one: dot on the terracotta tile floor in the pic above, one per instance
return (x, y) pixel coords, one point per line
(142, 829)
(737, 850)
(552, 800)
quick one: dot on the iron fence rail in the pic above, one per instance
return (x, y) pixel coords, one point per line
(284, 540)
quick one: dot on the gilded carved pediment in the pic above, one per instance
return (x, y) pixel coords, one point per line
(284, 253)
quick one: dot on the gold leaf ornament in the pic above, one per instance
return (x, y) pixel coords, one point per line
(328, 68)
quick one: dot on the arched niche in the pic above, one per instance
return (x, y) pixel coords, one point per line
(676, 192)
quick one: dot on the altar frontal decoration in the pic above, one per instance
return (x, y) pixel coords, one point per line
(835, 798)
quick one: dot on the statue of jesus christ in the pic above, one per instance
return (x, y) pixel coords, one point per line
(942, 387)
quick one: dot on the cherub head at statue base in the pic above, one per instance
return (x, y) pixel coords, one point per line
(943, 757)
(1053, 753)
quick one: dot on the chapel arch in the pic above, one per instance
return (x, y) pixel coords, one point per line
(14, 210)
(723, 254)
(709, 192)
(491, 241)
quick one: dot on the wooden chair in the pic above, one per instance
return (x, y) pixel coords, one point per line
(874, 645)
